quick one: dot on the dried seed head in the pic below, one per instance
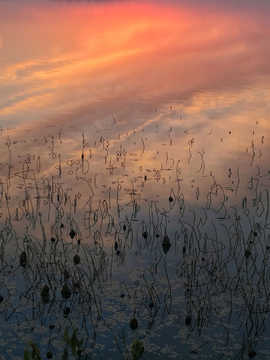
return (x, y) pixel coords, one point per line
(45, 293)
(166, 244)
(76, 259)
(251, 353)
(133, 324)
(72, 234)
(23, 259)
(145, 234)
(49, 354)
(188, 320)
(247, 253)
(66, 274)
(65, 291)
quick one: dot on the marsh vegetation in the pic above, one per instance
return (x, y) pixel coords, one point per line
(105, 242)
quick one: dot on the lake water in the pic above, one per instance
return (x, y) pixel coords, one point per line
(136, 135)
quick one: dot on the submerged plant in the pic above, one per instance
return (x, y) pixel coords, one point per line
(137, 350)
(31, 351)
(73, 343)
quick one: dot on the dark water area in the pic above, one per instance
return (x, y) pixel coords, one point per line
(134, 179)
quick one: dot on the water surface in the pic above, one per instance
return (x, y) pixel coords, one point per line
(124, 124)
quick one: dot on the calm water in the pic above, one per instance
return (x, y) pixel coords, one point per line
(136, 135)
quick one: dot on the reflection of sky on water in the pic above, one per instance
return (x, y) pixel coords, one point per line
(156, 116)
(129, 64)
(65, 70)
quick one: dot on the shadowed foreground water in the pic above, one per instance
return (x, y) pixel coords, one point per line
(179, 247)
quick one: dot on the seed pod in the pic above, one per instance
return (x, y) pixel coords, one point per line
(251, 353)
(188, 320)
(133, 324)
(49, 354)
(76, 259)
(46, 288)
(166, 244)
(23, 259)
(72, 234)
(247, 253)
(145, 235)
(66, 274)
(151, 304)
(45, 293)
(65, 291)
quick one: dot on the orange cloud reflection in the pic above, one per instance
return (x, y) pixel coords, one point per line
(86, 61)
(148, 48)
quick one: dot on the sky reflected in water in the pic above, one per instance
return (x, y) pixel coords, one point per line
(117, 113)
(193, 77)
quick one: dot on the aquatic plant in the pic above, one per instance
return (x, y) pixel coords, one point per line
(70, 343)
(137, 350)
(90, 260)
(31, 351)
